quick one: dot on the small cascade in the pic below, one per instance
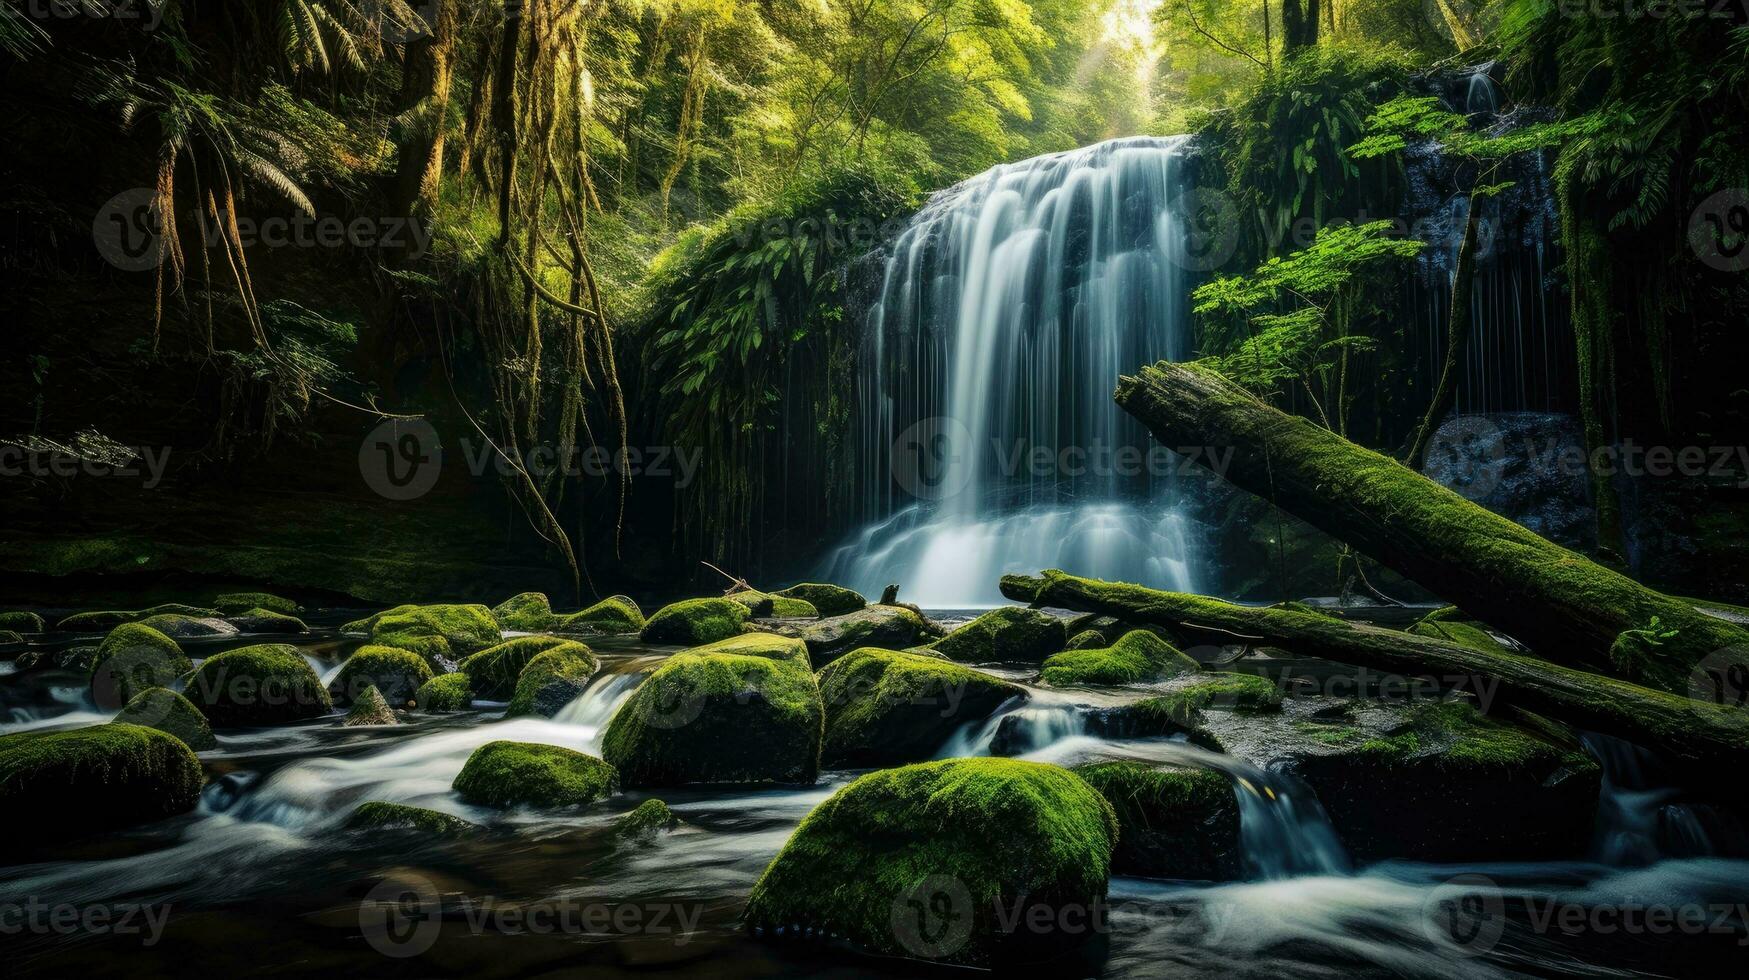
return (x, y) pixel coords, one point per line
(595, 707)
(1482, 96)
(1641, 817)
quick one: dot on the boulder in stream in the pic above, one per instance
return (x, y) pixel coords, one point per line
(886, 708)
(393, 673)
(451, 692)
(63, 785)
(691, 622)
(528, 612)
(510, 774)
(256, 621)
(378, 815)
(439, 633)
(369, 709)
(170, 713)
(766, 605)
(22, 622)
(495, 670)
(241, 603)
(552, 680)
(616, 614)
(829, 600)
(1137, 657)
(182, 627)
(269, 684)
(1010, 634)
(1174, 822)
(649, 820)
(881, 626)
(132, 658)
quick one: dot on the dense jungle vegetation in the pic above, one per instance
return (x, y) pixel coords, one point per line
(601, 224)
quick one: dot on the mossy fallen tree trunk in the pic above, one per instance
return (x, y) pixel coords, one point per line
(1696, 737)
(1562, 605)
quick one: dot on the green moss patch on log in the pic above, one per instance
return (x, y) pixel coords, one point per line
(1137, 657)
(511, 774)
(885, 708)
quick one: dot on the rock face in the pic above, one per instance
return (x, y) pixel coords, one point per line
(885, 627)
(269, 684)
(394, 674)
(510, 774)
(493, 671)
(377, 815)
(451, 692)
(440, 633)
(69, 784)
(829, 600)
(529, 612)
(1526, 466)
(369, 708)
(691, 622)
(171, 713)
(1011, 634)
(1452, 785)
(616, 614)
(132, 658)
(1138, 657)
(719, 718)
(1173, 822)
(886, 708)
(550, 681)
(948, 861)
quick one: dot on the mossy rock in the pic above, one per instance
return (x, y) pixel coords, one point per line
(1450, 784)
(451, 692)
(1152, 718)
(616, 614)
(886, 708)
(511, 774)
(377, 815)
(651, 819)
(529, 612)
(1173, 822)
(171, 713)
(243, 603)
(827, 600)
(440, 633)
(1011, 634)
(62, 785)
(269, 684)
(369, 709)
(1138, 657)
(879, 626)
(495, 669)
(550, 681)
(1085, 640)
(95, 621)
(692, 622)
(1242, 693)
(178, 626)
(257, 621)
(767, 606)
(22, 622)
(132, 658)
(768, 645)
(395, 674)
(719, 718)
(80, 660)
(989, 838)
(9, 637)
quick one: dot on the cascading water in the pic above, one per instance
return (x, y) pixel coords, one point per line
(1008, 309)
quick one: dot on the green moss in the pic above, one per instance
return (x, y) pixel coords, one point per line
(885, 708)
(183, 627)
(768, 645)
(1011, 834)
(1454, 735)
(369, 708)
(92, 622)
(170, 713)
(1243, 693)
(438, 633)
(1173, 822)
(1008, 634)
(552, 680)
(718, 717)
(495, 669)
(644, 824)
(132, 658)
(614, 614)
(695, 621)
(451, 692)
(377, 815)
(766, 605)
(1137, 657)
(1086, 640)
(395, 675)
(22, 622)
(829, 600)
(267, 621)
(879, 626)
(270, 684)
(1463, 634)
(529, 612)
(240, 603)
(509, 774)
(60, 785)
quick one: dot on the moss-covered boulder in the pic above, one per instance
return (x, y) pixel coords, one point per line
(829, 600)
(1151, 718)
(955, 861)
(651, 819)
(1173, 822)
(510, 774)
(61, 785)
(1085, 640)
(80, 659)
(1138, 657)
(107, 619)
(260, 621)
(495, 669)
(1450, 784)
(442, 634)
(886, 708)
(616, 614)
(377, 815)
(395, 675)
(170, 713)
(550, 681)
(178, 626)
(269, 684)
(768, 606)
(1008, 634)
(692, 622)
(451, 692)
(1242, 693)
(368, 709)
(132, 658)
(22, 622)
(241, 603)
(768, 645)
(719, 718)
(529, 612)
(880, 626)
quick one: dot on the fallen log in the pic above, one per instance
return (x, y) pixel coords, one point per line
(1558, 603)
(1696, 737)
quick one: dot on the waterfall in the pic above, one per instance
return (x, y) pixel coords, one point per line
(987, 434)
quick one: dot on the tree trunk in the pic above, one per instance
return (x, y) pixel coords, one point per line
(1457, 333)
(427, 73)
(1559, 603)
(504, 114)
(1701, 739)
